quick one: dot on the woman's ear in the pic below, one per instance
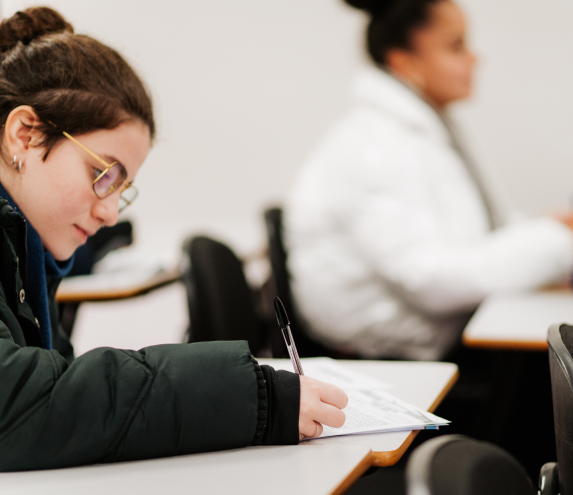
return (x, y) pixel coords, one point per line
(404, 65)
(20, 131)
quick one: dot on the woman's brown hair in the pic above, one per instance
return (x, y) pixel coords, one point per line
(73, 82)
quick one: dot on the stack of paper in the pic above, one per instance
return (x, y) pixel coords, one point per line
(371, 409)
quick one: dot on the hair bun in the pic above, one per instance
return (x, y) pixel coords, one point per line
(30, 24)
(372, 6)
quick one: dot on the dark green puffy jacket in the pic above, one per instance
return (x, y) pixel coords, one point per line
(116, 405)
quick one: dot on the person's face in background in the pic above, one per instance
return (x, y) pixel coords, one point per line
(438, 63)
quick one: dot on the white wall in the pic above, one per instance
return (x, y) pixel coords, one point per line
(520, 122)
(244, 89)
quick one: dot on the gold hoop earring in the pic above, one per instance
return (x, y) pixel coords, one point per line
(19, 163)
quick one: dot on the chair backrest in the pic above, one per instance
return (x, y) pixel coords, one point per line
(306, 346)
(458, 465)
(560, 339)
(220, 301)
(278, 258)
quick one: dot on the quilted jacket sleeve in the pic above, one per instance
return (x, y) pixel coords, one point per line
(117, 405)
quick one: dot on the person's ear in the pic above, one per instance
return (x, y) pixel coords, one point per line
(404, 65)
(20, 131)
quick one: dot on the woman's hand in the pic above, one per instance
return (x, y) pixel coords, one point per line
(319, 403)
(565, 217)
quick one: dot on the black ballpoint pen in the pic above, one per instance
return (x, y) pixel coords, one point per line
(284, 325)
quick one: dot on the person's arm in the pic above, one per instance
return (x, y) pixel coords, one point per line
(395, 227)
(114, 405)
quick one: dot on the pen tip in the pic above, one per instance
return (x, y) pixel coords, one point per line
(280, 312)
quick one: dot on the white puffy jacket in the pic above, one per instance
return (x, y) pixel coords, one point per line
(390, 247)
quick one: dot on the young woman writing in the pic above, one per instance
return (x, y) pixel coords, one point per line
(76, 125)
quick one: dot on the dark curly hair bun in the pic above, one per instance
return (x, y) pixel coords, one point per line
(23, 27)
(391, 23)
(73, 82)
(372, 6)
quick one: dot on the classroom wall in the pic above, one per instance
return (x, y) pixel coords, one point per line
(244, 89)
(519, 124)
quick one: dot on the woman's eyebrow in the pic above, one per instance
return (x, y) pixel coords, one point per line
(109, 159)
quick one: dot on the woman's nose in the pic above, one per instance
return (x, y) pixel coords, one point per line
(107, 210)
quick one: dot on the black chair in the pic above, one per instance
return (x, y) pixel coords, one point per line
(560, 339)
(306, 346)
(459, 465)
(549, 479)
(220, 302)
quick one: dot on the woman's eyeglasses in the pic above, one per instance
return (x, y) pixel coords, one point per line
(111, 178)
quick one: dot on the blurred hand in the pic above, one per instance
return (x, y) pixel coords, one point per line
(565, 217)
(320, 403)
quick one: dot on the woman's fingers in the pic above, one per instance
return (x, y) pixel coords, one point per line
(313, 431)
(331, 394)
(320, 403)
(329, 415)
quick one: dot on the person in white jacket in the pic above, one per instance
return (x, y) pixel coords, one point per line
(392, 238)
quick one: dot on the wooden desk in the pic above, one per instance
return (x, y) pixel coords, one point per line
(318, 467)
(112, 286)
(518, 321)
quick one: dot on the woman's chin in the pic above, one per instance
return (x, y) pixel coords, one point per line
(62, 253)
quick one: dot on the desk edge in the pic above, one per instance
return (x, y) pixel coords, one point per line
(509, 345)
(159, 280)
(390, 458)
(356, 473)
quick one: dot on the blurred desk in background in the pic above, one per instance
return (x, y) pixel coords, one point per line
(158, 317)
(114, 285)
(518, 320)
(512, 327)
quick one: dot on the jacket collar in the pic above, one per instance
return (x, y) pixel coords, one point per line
(377, 88)
(36, 265)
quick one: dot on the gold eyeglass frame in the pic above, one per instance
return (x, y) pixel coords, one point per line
(126, 185)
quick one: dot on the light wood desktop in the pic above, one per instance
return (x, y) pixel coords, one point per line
(318, 467)
(518, 320)
(83, 288)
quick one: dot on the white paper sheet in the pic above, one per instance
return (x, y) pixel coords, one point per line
(379, 411)
(329, 371)
(371, 408)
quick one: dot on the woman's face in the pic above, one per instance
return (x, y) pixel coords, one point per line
(439, 62)
(56, 195)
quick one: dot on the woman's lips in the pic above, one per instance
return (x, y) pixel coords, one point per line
(83, 234)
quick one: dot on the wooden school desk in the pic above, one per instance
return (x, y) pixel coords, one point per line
(107, 288)
(319, 467)
(513, 328)
(518, 320)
